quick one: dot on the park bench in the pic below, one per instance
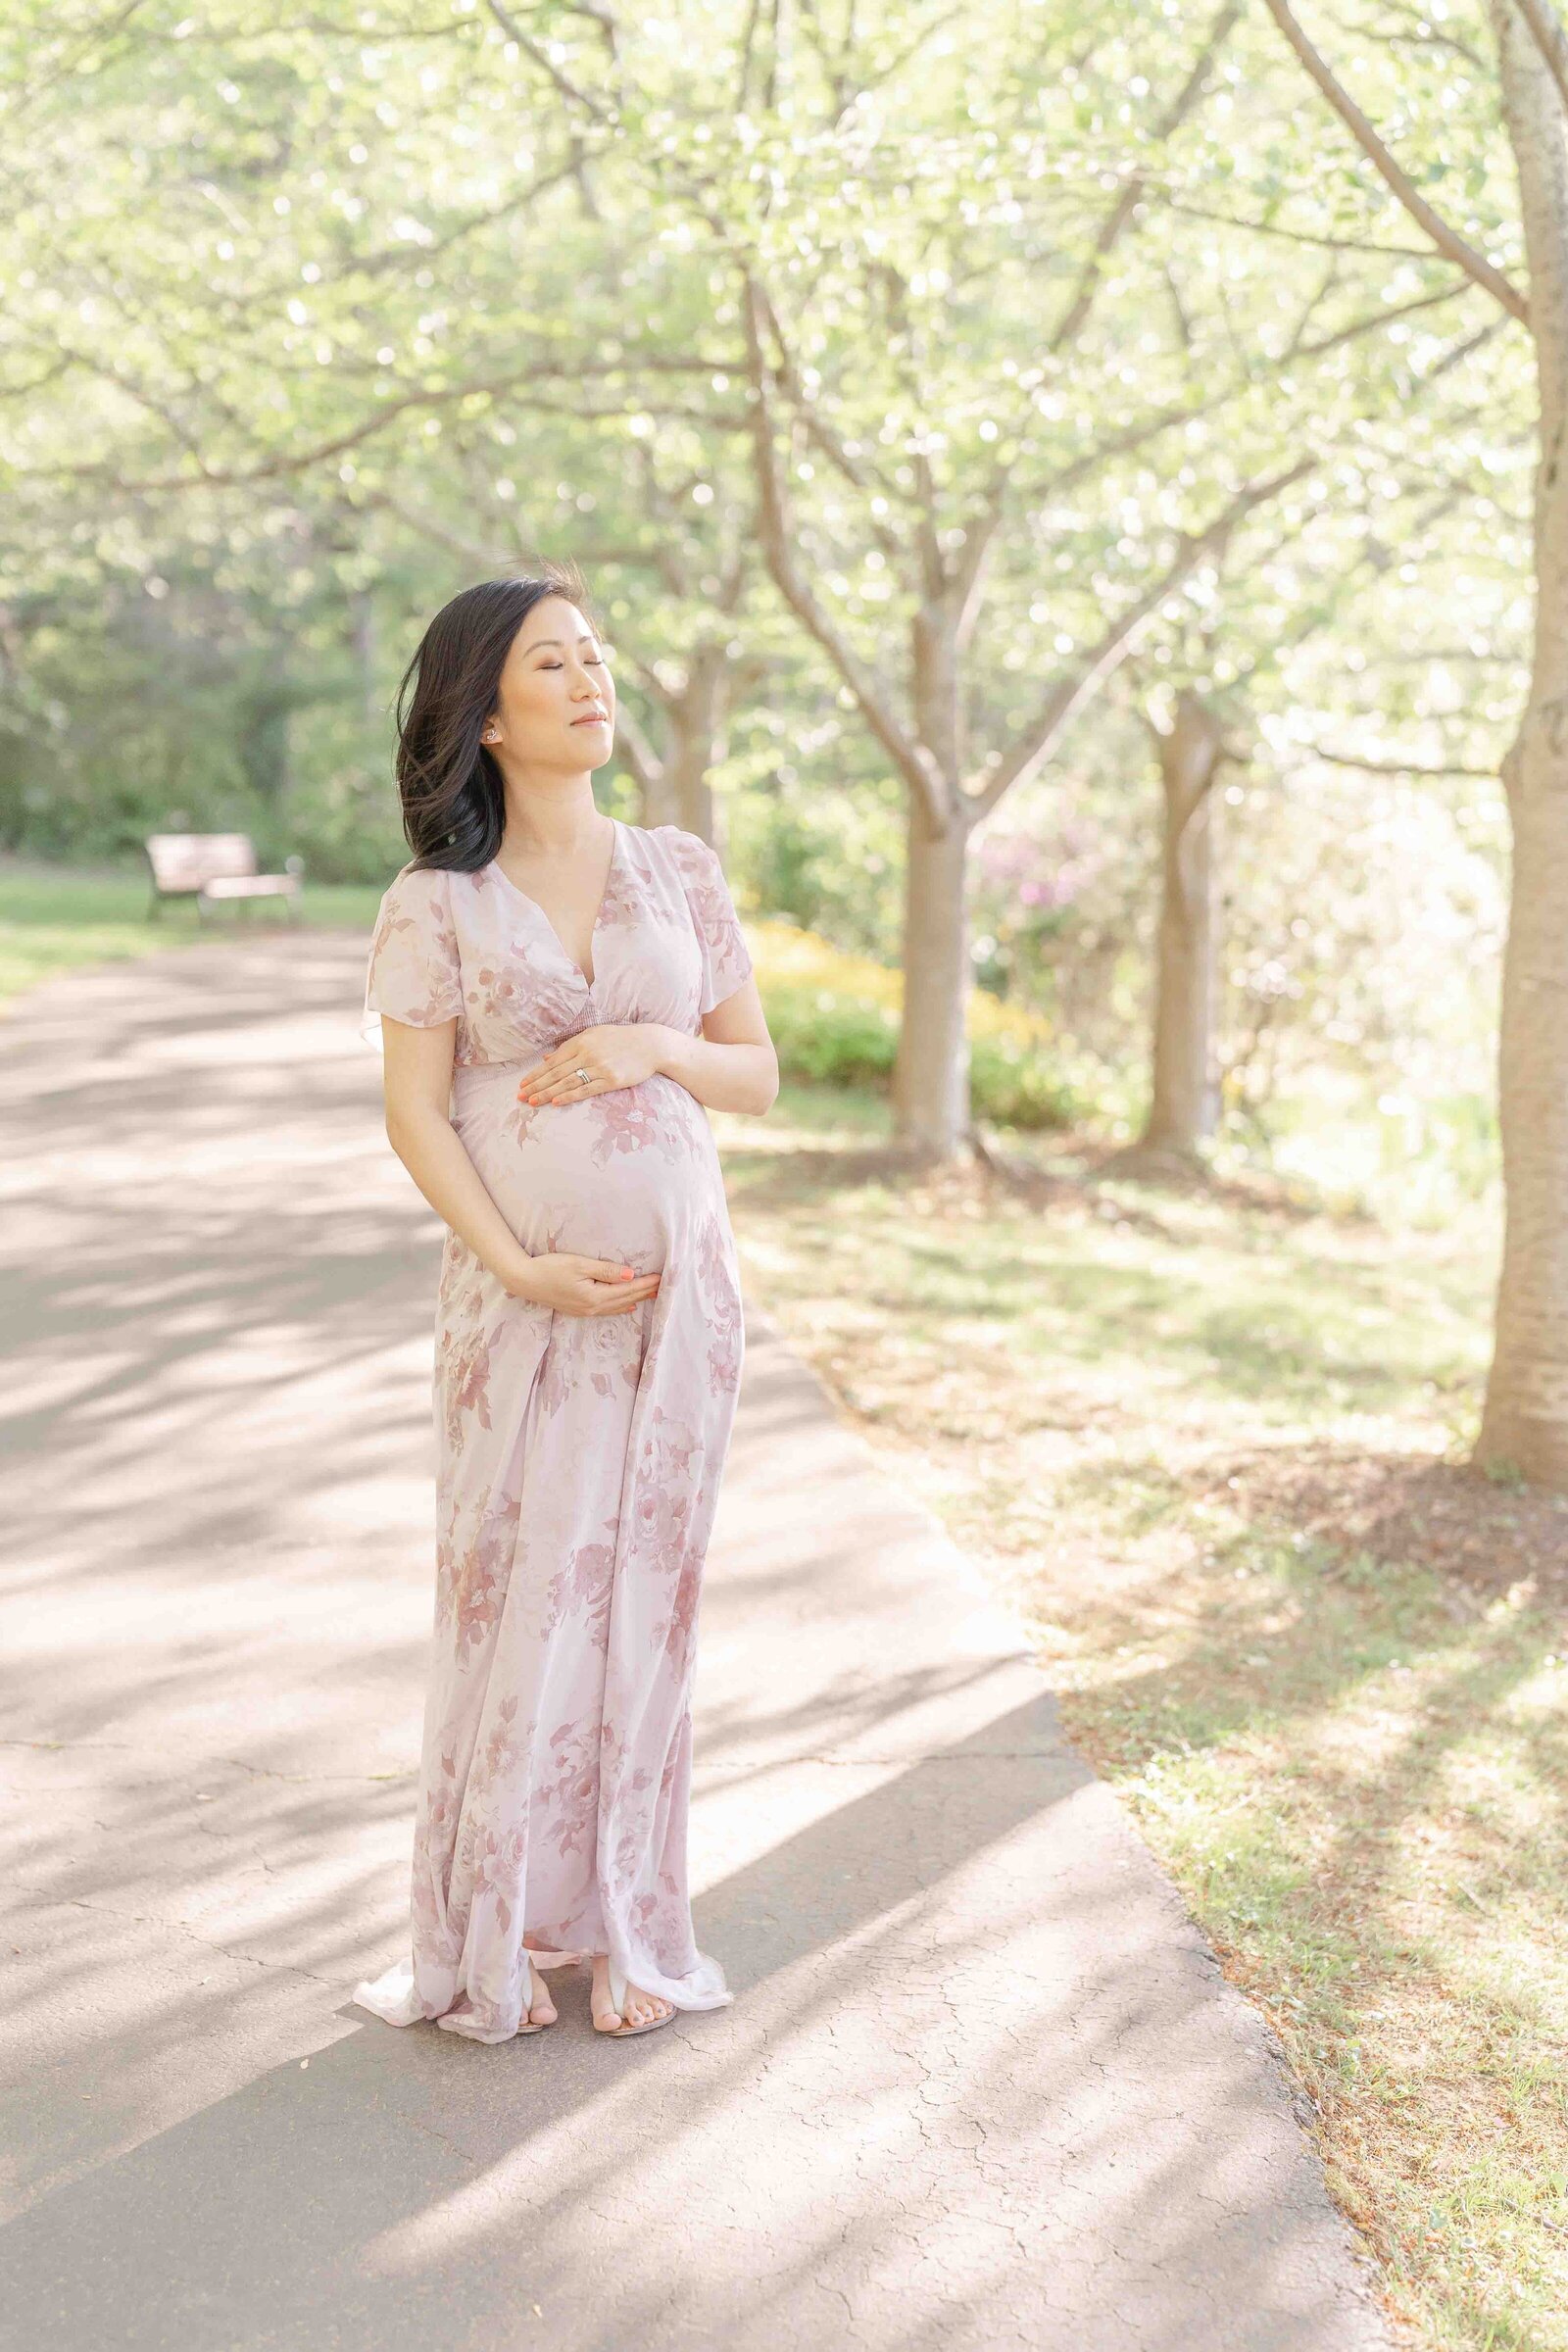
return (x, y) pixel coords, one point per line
(216, 869)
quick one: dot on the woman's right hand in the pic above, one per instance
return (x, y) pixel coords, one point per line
(570, 1285)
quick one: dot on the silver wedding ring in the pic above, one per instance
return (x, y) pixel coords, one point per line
(582, 1075)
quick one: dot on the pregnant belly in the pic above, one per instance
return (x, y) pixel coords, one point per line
(620, 1175)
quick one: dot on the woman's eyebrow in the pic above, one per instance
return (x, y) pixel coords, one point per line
(539, 641)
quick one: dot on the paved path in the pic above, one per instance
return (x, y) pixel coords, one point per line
(982, 2086)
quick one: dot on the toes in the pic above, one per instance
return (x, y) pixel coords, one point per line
(646, 2006)
(639, 2009)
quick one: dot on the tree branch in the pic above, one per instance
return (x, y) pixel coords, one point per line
(547, 66)
(1037, 742)
(1393, 768)
(912, 759)
(1294, 236)
(1121, 212)
(829, 441)
(1448, 240)
(285, 463)
(1546, 27)
(968, 576)
(635, 748)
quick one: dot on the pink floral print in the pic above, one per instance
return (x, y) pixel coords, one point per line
(578, 1458)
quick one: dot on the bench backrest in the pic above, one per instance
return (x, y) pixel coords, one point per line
(186, 860)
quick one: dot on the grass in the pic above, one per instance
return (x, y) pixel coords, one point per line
(53, 918)
(1210, 1446)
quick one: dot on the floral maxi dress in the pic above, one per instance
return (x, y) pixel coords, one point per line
(578, 1458)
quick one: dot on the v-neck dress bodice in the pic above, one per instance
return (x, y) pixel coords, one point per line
(590, 979)
(578, 1457)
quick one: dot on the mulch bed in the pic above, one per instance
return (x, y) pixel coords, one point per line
(1409, 1511)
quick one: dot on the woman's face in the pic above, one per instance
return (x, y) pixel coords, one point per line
(553, 681)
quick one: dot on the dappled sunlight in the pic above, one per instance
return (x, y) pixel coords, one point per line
(1053, 518)
(1042, 2048)
(972, 2071)
(1210, 1456)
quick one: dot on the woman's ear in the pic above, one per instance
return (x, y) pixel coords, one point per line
(491, 730)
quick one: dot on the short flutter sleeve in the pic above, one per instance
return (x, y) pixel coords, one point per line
(726, 959)
(414, 973)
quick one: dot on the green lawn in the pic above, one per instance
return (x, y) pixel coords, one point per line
(1210, 1448)
(54, 917)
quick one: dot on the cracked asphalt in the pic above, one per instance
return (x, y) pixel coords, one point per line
(983, 2083)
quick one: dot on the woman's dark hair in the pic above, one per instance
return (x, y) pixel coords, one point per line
(454, 804)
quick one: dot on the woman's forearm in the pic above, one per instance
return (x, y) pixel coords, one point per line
(724, 1077)
(435, 1157)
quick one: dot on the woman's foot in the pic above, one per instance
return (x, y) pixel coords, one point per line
(542, 2010)
(640, 2008)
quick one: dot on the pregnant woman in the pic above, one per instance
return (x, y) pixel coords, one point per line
(560, 994)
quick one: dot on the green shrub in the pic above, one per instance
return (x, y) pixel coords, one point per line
(834, 1018)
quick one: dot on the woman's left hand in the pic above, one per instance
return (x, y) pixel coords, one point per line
(612, 1052)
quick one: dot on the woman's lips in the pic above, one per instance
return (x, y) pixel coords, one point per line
(591, 719)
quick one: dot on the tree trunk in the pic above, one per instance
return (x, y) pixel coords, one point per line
(1183, 1104)
(1525, 1423)
(931, 1074)
(697, 721)
(675, 784)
